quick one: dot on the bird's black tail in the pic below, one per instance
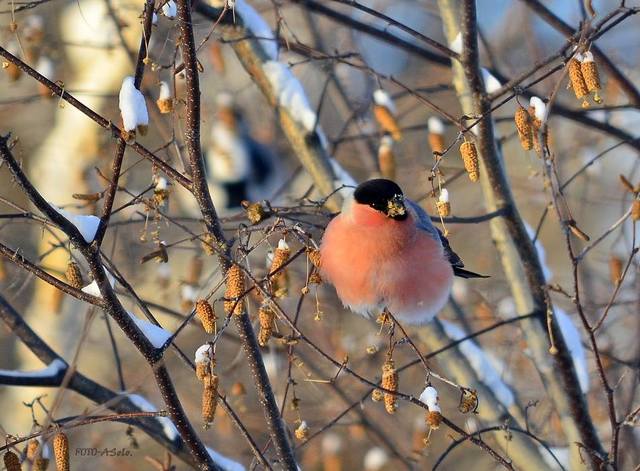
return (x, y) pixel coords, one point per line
(462, 273)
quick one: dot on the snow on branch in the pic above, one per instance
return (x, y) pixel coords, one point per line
(252, 21)
(155, 334)
(87, 225)
(51, 375)
(290, 94)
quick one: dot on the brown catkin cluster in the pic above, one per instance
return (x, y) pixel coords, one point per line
(302, 431)
(266, 317)
(433, 419)
(205, 368)
(61, 451)
(443, 208)
(635, 210)
(235, 288)
(377, 395)
(387, 121)
(74, 275)
(255, 213)
(209, 398)
(591, 77)
(468, 401)
(615, 269)
(165, 105)
(279, 280)
(11, 461)
(576, 79)
(436, 142)
(390, 382)
(206, 315)
(314, 257)
(470, 158)
(524, 127)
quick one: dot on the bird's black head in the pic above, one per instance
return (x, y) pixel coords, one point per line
(384, 196)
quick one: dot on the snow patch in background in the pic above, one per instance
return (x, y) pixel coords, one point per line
(571, 337)
(252, 20)
(481, 363)
(290, 93)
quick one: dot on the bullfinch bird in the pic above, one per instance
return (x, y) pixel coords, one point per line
(382, 251)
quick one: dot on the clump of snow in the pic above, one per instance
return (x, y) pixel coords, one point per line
(161, 184)
(444, 196)
(290, 93)
(456, 44)
(481, 363)
(167, 425)
(53, 369)
(375, 459)
(435, 125)
(382, 98)
(331, 444)
(155, 334)
(587, 57)
(87, 225)
(204, 353)
(228, 157)
(538, 106)
(252, 21)
(491, 84)
(92, 288)
(132, 106)
(166, 93)
(169, 9)
(227, 464)
(572, 338)
(282, 244)
(430, 397)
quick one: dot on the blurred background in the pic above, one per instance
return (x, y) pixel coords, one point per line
(89, 46)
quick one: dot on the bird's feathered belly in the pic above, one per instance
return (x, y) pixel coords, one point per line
(373, 268)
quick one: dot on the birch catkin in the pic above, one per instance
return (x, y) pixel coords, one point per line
(577, 82)
(61, 451)
(470, 158)
(206, 315)
(524, 127)
(390, 382)
(235, 288)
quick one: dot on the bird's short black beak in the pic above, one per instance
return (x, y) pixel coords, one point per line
(396, 208)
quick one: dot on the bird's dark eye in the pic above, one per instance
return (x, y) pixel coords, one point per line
(382, 195)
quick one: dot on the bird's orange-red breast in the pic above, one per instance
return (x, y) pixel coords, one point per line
(382, 251)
